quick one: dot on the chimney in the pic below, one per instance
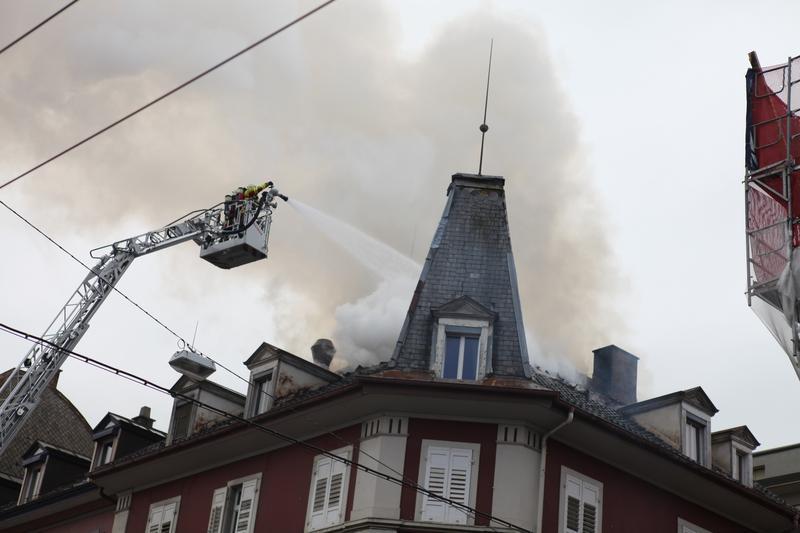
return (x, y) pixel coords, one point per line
(323, 351)
(614, 374)
(144, 418)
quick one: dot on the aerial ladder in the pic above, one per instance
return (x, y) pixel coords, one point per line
(230, 234)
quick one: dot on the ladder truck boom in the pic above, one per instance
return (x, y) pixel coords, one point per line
(229, 234)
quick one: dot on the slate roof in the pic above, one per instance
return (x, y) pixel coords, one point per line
(470, 256)
(55, 421)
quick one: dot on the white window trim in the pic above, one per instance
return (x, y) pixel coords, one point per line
(473, 486)
(441, 340)
(345, 453)
(257, 374)
(685, 526)
(233, 483)
(562, 499)
(747, 479)
(163, 503)
(26, 482)
(689, 412)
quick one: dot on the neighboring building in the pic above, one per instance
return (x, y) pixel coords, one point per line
(778, 470)
(55, 421)
(457, 409)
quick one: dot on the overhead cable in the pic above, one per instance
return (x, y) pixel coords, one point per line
(282, 436)
(42, 23)
(168, 93)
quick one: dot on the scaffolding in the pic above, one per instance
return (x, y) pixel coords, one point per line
(772, 200)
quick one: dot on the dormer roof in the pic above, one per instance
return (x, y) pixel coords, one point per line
(469, 267)
(267, 352)
(186, 384)
(695, 397)
(112, 421)
(739, 433)
(39, 449)
(463, 306)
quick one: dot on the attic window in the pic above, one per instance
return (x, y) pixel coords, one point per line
(105, 452)
(32, 483)
(462, 340)
(262, 393)
(695, 439)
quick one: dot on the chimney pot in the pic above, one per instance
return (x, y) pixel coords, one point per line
(143, 419)
(322, 352)
(615, 374)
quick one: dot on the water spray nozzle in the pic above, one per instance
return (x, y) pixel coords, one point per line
(283, 197)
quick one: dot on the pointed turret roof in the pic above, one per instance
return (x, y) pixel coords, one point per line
(470, 264)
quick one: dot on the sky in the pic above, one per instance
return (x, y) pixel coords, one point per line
(618, 127)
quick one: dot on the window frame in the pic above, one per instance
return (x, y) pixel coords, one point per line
(164, 503)
(267, 375)
(567, 473)
(345, 452)
(231, 484)
(174, 420)
(740, 452)
(691, 415)
(30, 491)
(464, 327)
(475, 447)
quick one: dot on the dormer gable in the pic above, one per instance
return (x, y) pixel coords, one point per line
(732, 452)
(49, 467)
(276, 373)
(682, 419)
(464, 307)
(189, 418)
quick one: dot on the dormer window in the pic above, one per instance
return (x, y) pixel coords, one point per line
(695, 439)
(262, 393)
(105, 453)
(461, 353)
(462, 340)
(32, 483)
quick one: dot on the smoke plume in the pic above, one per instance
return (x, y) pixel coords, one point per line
(342, 118)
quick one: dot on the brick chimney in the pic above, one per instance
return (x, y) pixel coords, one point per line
(615, 374)
(144, 418)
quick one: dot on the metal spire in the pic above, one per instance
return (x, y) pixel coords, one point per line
(483, 127)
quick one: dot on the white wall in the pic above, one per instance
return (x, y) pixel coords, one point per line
(375, 497)
(516, 484)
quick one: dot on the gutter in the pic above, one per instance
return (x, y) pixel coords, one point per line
(543, 465)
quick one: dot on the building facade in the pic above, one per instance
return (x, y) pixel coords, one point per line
(454, 431)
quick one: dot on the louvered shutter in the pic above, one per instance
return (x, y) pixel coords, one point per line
(320, 481)
(217, 508)
(458, 484)
(154, 521)
(572, 510)
(247, 507)
(436, 473)
(589, 512)
(336, 490)
(168, 519)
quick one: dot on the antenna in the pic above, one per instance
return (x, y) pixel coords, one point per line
(483, 127)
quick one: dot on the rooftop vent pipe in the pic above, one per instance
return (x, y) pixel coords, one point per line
(323, 351)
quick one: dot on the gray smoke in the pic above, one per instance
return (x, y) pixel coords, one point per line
(343, 119)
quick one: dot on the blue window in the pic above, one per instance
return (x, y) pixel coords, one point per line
(460, 357)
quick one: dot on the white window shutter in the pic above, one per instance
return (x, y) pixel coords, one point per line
(168, 518)
(437, 469)
(590, 509)
(154, 521)
(217, 508)
(247, 507)
(319, 492)
(458, 484)
(336, 491)
(572, 509)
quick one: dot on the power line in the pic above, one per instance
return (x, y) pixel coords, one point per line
(286, 438)
(169, 93)
(170, 330)
(42, 23)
